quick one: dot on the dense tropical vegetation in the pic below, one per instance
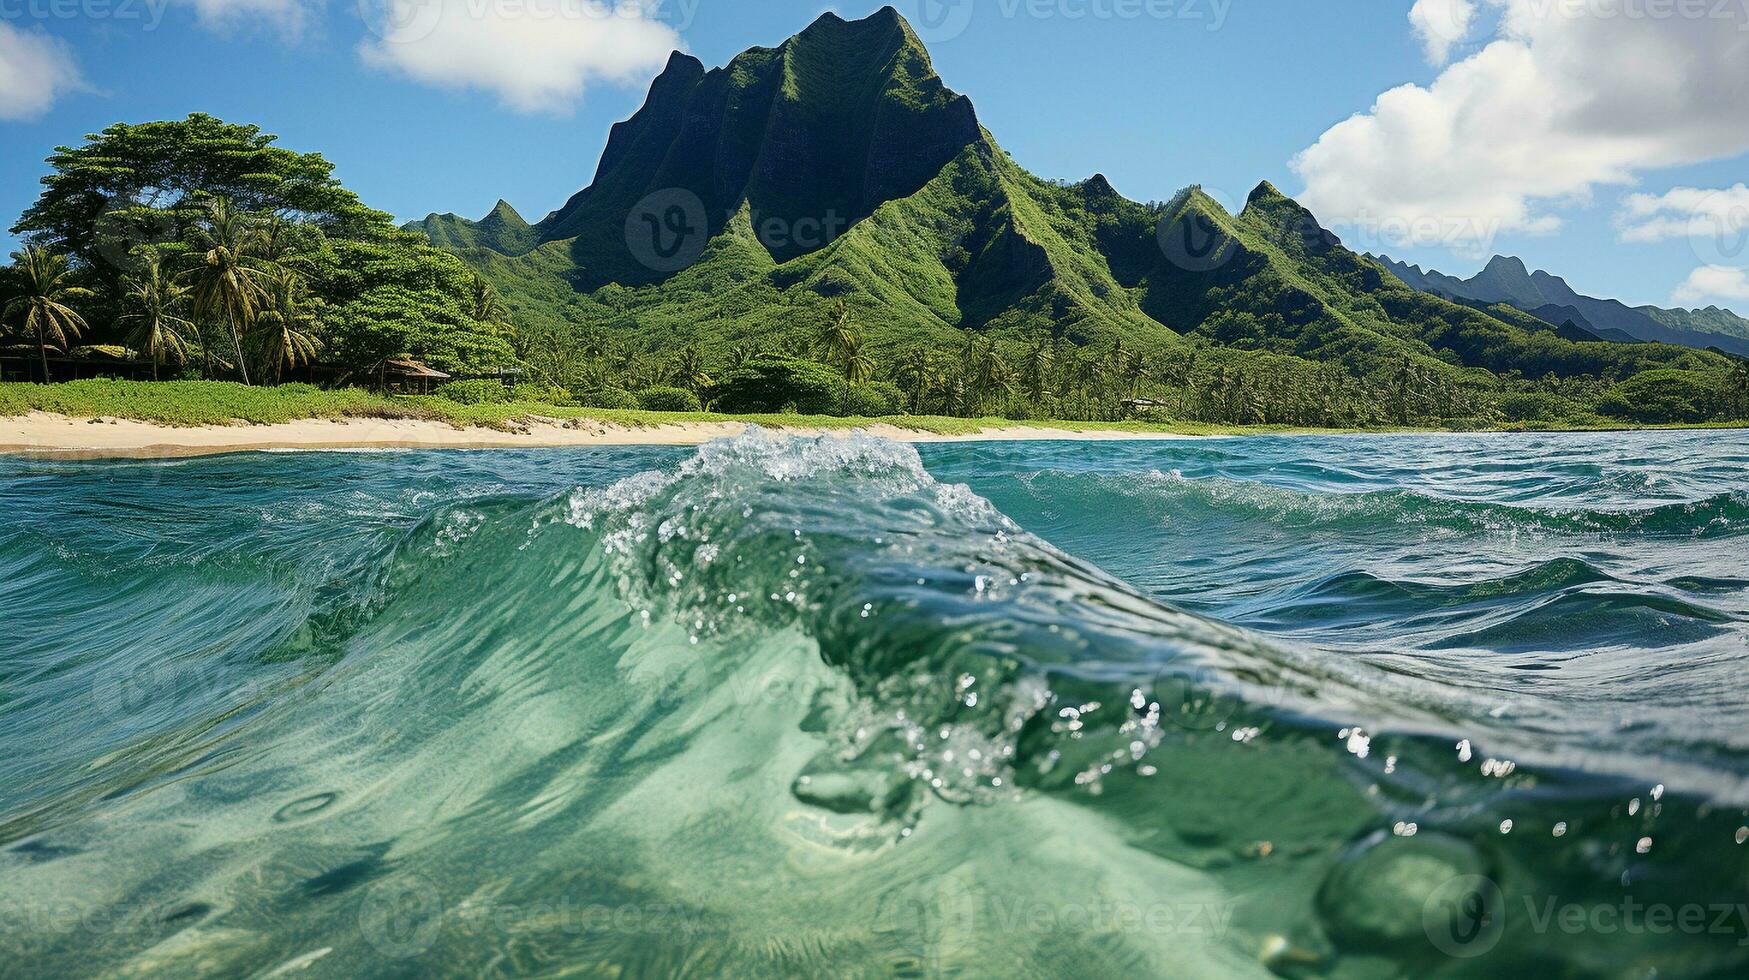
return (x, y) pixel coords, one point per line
(202, 247)
(944, 280)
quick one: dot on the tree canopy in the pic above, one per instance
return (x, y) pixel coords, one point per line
(147, 183)
(141, 195)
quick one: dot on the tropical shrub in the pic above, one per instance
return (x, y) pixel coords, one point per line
(485, 391)
(543, 394)
(775, 384)
(875, 400)
(1536, 406)
(1661, 397)
(665, 399)
(616, 398)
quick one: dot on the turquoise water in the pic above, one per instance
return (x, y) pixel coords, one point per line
(1346, 707)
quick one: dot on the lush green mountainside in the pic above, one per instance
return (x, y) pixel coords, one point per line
(983, 244)
(503, 231)
(1711, 320)
(837, 174)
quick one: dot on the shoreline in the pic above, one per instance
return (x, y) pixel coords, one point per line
(50, 436)
(47, 435)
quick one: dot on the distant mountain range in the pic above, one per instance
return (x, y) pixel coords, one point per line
(740, 204)
(1548, 297)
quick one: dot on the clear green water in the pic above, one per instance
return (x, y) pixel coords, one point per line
(1348, 707)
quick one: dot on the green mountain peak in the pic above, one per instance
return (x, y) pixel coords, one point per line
(812, 136)
(1265, 192)
(503, 211)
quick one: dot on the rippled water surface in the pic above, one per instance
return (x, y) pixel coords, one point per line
(1346, 707)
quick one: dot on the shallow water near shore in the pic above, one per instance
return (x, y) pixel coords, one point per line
(1346, 707)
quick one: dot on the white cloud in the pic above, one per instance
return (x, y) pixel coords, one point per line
(1566, 97)
(1440, 24)
(35, 70)
(535, 55)
(1712, 282)
(1685, 212)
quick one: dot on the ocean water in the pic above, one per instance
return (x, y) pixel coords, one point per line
(1309, 707)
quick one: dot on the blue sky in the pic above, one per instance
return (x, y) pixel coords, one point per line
(1156, 94)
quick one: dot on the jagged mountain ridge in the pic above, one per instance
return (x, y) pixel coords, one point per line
(1507, 279)
(502, 230)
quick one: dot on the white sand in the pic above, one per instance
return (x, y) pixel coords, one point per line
(44, 434)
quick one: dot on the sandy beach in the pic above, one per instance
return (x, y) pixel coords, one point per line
(60, 436)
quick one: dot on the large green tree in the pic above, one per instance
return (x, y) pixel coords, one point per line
(148, 184)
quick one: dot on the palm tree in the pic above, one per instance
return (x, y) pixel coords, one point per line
(1217, 388)
(485, 306)
(42, 310)
(278, 245)
(689, 372)
(1133, 366)
(919, 374)
(285, 326)
(231, 282)
(1403, 380)
(156, 327)
(1087, 373)
(859, 365)
(990, 372)
(1037, 371)
(1117, 359)
(1181, 374)
(740, 354)
(835, 336)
